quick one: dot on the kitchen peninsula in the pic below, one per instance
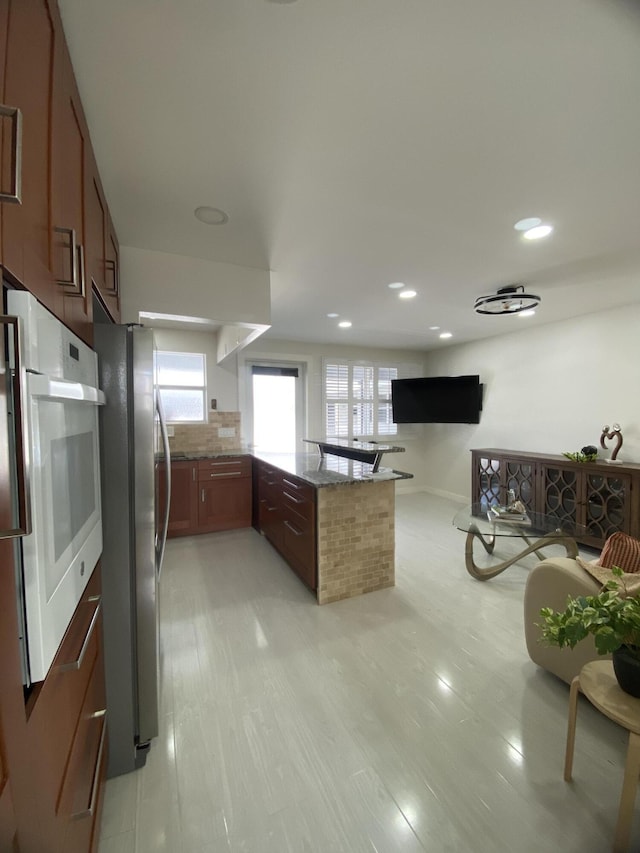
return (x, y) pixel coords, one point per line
(331, 516)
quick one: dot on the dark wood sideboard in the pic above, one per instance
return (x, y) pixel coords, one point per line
(604, 497)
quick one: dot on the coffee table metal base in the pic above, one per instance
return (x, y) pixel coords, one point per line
(489, 542)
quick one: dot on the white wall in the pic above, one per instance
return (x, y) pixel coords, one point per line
(548, 389)
(221, 380)
(311, 355)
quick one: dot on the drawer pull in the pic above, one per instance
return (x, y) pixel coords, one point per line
(293, 485)
(220, 464)
(293, 529)
(76, 664)
(15, 193)
(95, 784)
(227, 474)
(293, 498)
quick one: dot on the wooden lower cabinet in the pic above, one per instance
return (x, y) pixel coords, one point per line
(602, 497)
(287, 517)
(53, 747)
(208, 495)
(183, 510)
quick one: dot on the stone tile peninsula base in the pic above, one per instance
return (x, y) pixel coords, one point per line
(356, 539)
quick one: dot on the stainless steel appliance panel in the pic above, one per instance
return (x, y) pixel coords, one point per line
(130, 577)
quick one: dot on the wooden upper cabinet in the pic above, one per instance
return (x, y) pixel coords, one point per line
(69, 153)
(96, 225)
(5, 120)
(26, 227)
(111, 293)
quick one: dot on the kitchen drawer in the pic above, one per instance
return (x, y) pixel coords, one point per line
(224, 466)
(299, 488)
(299, 545)
(299, 501)
(55, 707)
(79, 799)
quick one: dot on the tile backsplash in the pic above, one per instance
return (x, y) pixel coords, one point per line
(220, 434)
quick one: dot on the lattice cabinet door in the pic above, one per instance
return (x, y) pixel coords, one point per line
(562, 490)
(520, 479)
(608, 503)
(487, 485)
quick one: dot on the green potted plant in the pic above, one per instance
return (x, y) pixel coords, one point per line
(611, 619)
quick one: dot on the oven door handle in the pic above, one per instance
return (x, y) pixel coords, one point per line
(64, 390)
(15, 390)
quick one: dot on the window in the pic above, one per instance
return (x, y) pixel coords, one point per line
(182, 385)
(358, 400)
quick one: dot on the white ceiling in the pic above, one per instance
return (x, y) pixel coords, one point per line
(353, 143)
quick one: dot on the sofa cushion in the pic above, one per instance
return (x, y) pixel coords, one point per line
(623, 551)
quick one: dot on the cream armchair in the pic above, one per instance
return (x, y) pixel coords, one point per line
(549, 584)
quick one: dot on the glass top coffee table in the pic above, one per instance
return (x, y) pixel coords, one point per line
(535, 529)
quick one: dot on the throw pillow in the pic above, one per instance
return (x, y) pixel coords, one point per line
(621, 550)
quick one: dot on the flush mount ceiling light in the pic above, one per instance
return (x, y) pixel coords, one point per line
(528, 313)
(446, 334)
(511, 299)
(407, 294)
(345, 324)
(396, 285)
(538, 232)
(332, 315)
(211, 215)
(529, 222)
(434, 328)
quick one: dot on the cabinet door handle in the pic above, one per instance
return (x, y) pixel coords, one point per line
(202, 496)
(81, 279)
(293, 498)
(95, 784)
(193, 474)
(293, 529)
(22, 523)
(14, 196)
(227, 474)
(76, 664)
(73, 256)
(112, 267)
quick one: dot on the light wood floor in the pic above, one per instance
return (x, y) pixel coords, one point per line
(408, 719)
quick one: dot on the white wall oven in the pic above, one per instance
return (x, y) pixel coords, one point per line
(57, 376)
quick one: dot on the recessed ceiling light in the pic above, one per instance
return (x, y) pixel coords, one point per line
(345, 324)
(396, 285)
(407, 294)
(446, 334)
(529, 313)
(434, 328)
(538, 232)
(525, 224)
(211, 215)
(332, 315)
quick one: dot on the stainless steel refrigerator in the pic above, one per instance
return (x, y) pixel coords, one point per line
(132, 436)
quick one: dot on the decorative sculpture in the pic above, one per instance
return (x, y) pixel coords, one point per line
(612, 432)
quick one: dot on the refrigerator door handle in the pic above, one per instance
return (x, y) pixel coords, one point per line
(162, 539)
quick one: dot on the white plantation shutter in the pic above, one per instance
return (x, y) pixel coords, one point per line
(358, 400)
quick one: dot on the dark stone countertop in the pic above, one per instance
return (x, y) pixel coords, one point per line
(317, 471)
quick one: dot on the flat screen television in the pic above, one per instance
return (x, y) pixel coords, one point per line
(437, 399)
